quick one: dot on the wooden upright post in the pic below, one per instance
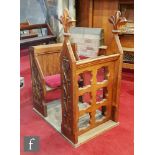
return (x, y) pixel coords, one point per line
(117, 21)
(69, 100)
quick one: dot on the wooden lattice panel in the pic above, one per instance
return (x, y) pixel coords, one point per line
(106, 85)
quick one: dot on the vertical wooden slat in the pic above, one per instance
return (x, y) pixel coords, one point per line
(93, 94)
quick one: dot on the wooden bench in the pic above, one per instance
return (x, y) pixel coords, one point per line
(32, 38)
(30, 33)
(45, 69)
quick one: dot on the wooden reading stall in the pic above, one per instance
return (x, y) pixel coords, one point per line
(82, 111)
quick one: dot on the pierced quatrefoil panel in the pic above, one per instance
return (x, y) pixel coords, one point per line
(84, 121)
(101, 94)
(86, 98)
(101, 113)
(84, 79)
(102, 74)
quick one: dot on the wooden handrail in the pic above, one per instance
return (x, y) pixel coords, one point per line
(96, 61)
(46, 47)
(36, 26)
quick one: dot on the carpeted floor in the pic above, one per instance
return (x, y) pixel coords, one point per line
(118, 141)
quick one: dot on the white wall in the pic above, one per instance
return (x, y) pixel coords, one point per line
(36, 11)
(62, 4)
(33, 10)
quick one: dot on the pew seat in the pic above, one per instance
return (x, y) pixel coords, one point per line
(53, 81)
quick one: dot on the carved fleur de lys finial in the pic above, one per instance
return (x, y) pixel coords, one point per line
(66, 21)
(117, 20)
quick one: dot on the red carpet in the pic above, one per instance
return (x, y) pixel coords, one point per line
(118, 141)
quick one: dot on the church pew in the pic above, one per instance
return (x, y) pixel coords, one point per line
(33, 38)
(45, 69)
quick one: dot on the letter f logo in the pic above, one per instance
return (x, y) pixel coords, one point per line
(30, 143)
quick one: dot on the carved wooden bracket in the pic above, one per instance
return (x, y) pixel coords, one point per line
(117, 20)
(66, 21)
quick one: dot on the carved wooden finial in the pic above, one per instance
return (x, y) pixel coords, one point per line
(66, 21)
(117, 21)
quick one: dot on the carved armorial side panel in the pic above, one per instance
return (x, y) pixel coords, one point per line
(67, 66)
(117, 20)
(37, 88)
